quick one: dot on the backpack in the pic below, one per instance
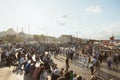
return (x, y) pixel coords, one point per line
(91, 66)
(97, 64)
(27, 68)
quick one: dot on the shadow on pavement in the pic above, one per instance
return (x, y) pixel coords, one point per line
(2, 64)
(18, 71)
(107, 76)
(59, 59)
(27, 77)
(113, 69)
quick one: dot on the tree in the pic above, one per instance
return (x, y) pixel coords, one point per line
(79, 40)
(18, 39)
(90, 41)
(36, 37)
(42, 37)
(10, 38)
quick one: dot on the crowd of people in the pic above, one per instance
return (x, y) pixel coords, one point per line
(37, 62)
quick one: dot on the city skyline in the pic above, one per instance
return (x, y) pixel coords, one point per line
(97, 19)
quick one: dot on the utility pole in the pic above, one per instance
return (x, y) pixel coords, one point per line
(29, 31)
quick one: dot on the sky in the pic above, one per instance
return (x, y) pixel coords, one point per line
(94, 19)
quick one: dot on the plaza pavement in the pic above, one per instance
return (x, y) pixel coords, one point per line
(7, 73)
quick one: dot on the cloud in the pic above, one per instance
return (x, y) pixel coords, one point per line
(64, 20)
(43, 28)
(94, 9)
(113, 28)
(66, 17)
(67, 20)
(62, 23)
(108, 31)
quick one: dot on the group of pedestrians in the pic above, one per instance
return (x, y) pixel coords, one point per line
(113, 60)
(37, 64)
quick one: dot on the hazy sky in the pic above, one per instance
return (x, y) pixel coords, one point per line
(83, 18)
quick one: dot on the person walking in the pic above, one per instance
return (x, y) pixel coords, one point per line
(21, 62)
(85, 61)
(109, 61)
(67, 63)
(97, 66)
(92, 68)
(89, 60)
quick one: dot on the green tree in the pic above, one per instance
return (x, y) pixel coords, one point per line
(18, 39)
(42, 37)
(10, 38)
(36, 37)
(79, 40)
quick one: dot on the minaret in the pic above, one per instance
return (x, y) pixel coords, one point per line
(29, 29)
(22, 30)
(17, 29)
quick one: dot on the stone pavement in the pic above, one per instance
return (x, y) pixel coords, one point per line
(10, 74)
(7, 73)
(105, 73)
(80, 70)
